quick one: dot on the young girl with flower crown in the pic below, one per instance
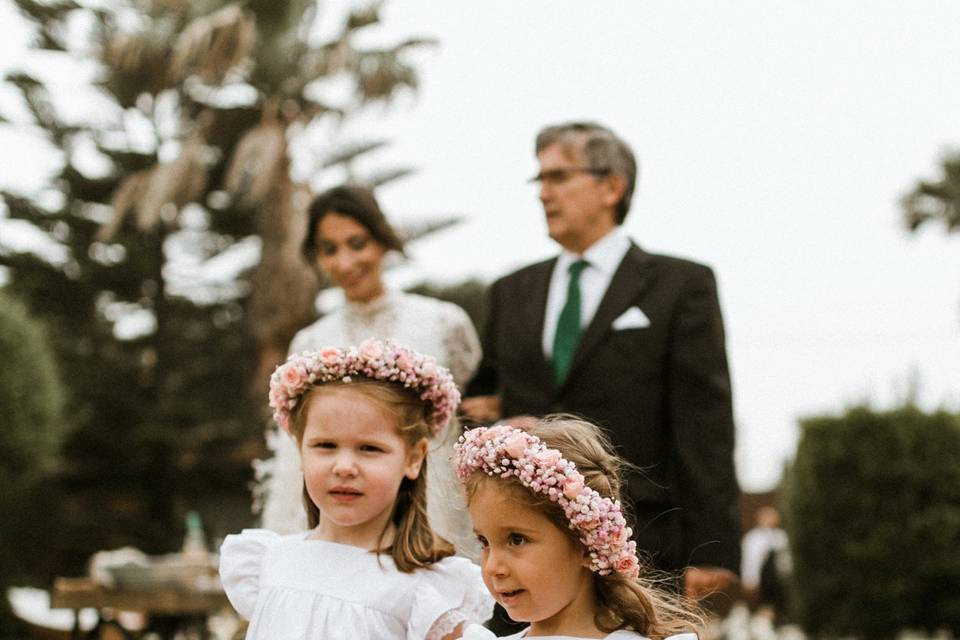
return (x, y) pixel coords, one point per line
(369, 566)
(556, 550)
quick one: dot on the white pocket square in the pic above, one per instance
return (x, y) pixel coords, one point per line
(632, 318)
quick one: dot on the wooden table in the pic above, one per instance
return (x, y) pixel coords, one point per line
(169, 609)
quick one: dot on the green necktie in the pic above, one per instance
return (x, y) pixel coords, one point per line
(568, 325)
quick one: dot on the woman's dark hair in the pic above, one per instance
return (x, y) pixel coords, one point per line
(352, 201)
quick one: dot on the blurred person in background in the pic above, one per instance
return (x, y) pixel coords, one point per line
(766, 567)
(347, 239)
(630, 340)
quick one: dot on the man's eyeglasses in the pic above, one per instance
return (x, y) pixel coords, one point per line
(559, 176)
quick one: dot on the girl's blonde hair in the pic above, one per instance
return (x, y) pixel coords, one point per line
(644, 605)
(416, 545)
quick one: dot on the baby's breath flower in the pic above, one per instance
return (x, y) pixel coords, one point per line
(374, 359)
(509, 452)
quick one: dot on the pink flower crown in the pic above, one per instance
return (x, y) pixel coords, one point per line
(374, 359)
(506, 451)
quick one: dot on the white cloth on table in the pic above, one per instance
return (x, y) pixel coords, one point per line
(432, 327)
(293, 588)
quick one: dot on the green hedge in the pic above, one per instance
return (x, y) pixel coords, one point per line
(31, 402)
(874, 502)
(31, 395)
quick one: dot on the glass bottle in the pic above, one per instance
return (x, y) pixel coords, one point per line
(194, 540)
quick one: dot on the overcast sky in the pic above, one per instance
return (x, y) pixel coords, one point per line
(775, 140)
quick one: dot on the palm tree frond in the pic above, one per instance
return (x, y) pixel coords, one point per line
(382, 177)
(311, 108)
(214, 44)
(137, 63)
(44, 12)
(364, 16)
(258, 160)
(381, 74)
(124, 199)
(412, 231)
(413, 43)
(346, 154)
(938, 200)
(173, 184)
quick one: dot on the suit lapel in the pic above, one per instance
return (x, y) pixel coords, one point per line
(535, 306)
(630, 278)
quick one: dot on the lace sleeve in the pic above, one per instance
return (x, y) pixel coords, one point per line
(444, 626)
(448, 623)
(449, 594)
(461, 344)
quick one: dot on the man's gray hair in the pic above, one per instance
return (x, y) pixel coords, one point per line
(603, 150)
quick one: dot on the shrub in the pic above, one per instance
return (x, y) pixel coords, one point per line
(874, 502)
(31, 396)
(31, 401)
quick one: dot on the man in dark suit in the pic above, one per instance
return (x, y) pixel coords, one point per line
(630, 340)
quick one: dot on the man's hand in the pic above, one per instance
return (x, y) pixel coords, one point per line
(481, 408)
(700, 582)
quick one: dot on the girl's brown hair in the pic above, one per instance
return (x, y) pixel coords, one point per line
(415, 545)
(642, 605)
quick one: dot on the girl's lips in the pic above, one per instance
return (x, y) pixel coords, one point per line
(507, 598)
(344, 494)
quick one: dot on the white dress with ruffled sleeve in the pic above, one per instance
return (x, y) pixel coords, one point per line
(293, 588)
(477, 632)
(427, 325)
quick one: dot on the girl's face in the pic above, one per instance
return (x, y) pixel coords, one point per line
(350, 256)
(531, 567)
(354, 459)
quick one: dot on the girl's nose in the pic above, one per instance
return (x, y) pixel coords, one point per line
(493, 563)
(345, 465)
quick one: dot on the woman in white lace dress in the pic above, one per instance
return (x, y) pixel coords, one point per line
(348, 237)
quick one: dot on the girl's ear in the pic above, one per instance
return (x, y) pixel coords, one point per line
(415, 457)
(586, 559)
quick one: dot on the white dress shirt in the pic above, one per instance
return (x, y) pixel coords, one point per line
(756, 545)
(603, 258)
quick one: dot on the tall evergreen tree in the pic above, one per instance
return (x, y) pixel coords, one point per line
(204, 99)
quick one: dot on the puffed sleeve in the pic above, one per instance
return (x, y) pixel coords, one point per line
(460, 342)
(241, 561)
(451, 592)
(477, 632)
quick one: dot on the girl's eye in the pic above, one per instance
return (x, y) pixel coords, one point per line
(516, 539)
(483, 541)
(370, 447)
(358, 243)
(324, 445)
